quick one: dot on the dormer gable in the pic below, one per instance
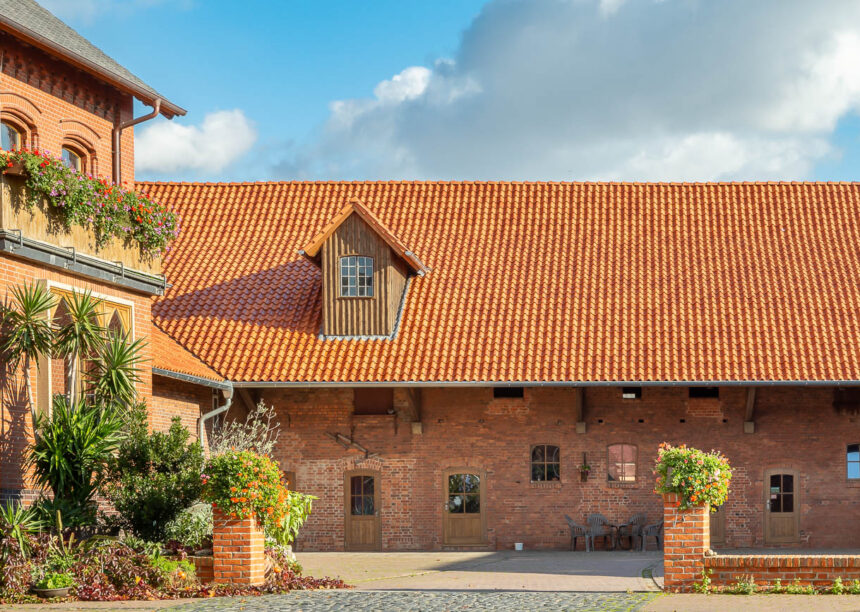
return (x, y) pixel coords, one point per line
(365, 274)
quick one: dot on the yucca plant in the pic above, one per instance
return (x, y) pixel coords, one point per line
(80, 336)
(28, 335)
(115, 371)
(75, 442)
(17, 522)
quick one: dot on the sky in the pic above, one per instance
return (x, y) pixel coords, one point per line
(686, 90)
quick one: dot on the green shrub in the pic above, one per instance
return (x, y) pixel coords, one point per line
(298, 509)
(192, 528)
(174, 572)
(745, 585)
(16, 522)
(854, 588)
(154, 477)
(838, 588)
(704, 585)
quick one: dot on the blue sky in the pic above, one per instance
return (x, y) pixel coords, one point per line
(497, 89)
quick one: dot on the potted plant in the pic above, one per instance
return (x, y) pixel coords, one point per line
(53, 584)
(584, 469)
(696, 477)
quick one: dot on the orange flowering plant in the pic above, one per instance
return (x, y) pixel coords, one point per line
(696, 476)
(243, 484)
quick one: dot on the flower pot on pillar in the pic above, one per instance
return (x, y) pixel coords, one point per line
(687, 538)
(238, 547)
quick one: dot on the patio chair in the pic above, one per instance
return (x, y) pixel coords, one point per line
(576, 531)
(599, 527)
(655, 531)
(632, 529)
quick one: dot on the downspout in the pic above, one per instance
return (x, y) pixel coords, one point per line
(228, 395)
(117, 133)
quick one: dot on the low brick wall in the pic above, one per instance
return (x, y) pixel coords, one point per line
(764, 570)
(204, 568)
(238, 548)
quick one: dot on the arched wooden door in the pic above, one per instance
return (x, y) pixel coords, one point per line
(362, 528)
(464, 518)
(781, 506)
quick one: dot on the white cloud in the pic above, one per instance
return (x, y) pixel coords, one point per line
(171, 147)
(586, 89)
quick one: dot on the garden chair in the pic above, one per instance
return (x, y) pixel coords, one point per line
(599, 527)
(632, 529)
(576, 531)
(655, 531)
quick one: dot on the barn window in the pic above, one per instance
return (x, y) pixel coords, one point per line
(546, 463)
(510, 392)
(356, 276)
(703, 392)
(373, 400)
(72, 159)
(621, 463)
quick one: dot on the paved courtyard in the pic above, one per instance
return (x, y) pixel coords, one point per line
(620, 571)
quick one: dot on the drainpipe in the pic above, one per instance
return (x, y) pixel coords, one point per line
(117, 133)
(228, 395)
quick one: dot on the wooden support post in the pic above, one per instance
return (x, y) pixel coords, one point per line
(749, 419)
(247, 401)
(579, 409)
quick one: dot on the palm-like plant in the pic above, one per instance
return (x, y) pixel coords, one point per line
(29, 334)
(115, 373)
(78, 337)
(16, 522)
(72, 450)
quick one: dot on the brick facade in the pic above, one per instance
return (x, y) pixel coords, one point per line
(467, 427)
(687, 539)
(176, 398)
(53, 104)
(238, 548)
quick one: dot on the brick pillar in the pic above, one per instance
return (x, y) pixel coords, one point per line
(687, 536)
(238, 548)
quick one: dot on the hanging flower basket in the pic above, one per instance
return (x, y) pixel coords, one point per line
(697, 477)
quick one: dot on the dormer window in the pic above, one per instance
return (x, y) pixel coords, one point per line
(356, 276)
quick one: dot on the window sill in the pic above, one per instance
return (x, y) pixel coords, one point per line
(544, 484)
(622, 485)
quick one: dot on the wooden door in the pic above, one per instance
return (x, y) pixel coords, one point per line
(781, 506)
(718, 527)
(362, 527)
(464, 518)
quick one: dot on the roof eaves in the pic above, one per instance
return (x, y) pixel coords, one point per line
(148, 96)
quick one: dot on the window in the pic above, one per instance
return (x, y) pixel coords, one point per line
(622, 463)
(10, 137)
(508, 392)
(631, 392)
(464, 494)
(373, 400)
(356, 276)
(72, 159)
(362, 502)
(853, 457)
(703, 392)
(546, 463)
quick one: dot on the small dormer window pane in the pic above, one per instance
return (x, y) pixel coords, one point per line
(356, 276)
(71, 159)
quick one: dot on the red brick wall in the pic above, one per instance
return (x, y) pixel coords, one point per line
(764, 570)
(687, 539)
(176, 398)
(15, 425)
(55, 103)
(795, 428)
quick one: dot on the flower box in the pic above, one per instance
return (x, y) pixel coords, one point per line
(43, 224)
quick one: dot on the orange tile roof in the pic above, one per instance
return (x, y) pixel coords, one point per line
(531, 281)
(167, 354)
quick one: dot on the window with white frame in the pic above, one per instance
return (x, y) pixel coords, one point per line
(356, 276)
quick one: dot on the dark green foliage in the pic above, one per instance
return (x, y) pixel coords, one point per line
(154, 477)
(71, 453)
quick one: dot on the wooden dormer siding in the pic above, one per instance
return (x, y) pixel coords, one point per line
(361, 316)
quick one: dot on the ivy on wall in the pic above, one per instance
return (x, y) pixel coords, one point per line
(93, 203)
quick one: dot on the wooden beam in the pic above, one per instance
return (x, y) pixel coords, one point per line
(413, 396)
(749, 418)
(579, 409)
(247, 400)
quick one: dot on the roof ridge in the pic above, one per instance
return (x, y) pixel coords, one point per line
(478, 182)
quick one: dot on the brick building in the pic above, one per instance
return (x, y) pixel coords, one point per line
(445, 357)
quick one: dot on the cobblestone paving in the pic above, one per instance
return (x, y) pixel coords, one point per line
(425, 601)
